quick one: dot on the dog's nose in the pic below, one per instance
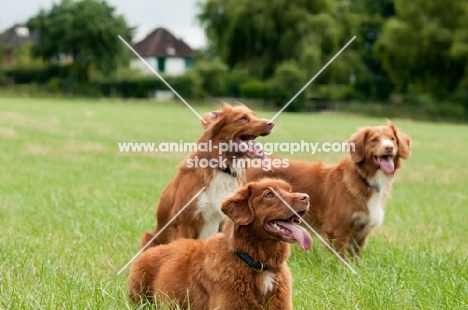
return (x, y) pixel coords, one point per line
(304, 197)
(270, 124)
(389, 148)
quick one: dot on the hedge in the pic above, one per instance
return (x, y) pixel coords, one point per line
(64, 79)
(187, 85)
(39, 74)
(254, 89)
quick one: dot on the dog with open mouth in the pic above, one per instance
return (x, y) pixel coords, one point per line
(243, 267)
(347, 199)
(236, 127)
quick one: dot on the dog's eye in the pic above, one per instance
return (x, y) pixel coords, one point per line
(270, 195)
(243, 118)
(374, 140)
(393, 138)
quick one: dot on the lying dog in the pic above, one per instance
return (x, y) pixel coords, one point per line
(237, 126)
(244, 267)
(348, 198)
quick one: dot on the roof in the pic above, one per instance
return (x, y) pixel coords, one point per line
(161, 43)
(18, 35)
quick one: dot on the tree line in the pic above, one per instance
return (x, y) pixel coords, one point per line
(269, 49)
(416, 47)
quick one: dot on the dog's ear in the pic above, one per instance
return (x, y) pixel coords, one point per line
(211, 118)
(238, 207)
(357, 144)
(404, 142)
(214, 122)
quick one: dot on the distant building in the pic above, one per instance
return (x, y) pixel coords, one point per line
(13, 38)
(164, 53)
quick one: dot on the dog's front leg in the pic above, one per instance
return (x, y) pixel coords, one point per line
(280, 303)
(231, 301)
(282, 298)
(189, 230)
(356, 247)
(341, 243)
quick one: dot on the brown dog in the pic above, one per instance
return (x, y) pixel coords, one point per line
(202, 218)
(244, 267)
(347, 199)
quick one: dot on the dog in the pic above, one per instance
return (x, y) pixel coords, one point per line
(347, 199)
(236, 126)
(243, 267)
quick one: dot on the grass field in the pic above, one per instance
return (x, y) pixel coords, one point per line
(72, 208)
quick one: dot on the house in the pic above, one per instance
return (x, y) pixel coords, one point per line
(13, 38)
(164, 53)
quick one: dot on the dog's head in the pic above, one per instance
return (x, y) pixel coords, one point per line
(380, 147)
(258, 209)
(238, 124)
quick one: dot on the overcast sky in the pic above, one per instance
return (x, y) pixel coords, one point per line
(178, 16)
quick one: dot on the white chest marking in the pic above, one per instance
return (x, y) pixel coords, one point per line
(221, 186)
(268, 281)
(376, 201)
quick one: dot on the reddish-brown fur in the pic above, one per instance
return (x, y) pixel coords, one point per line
(207, 272)
(339, 193)
(220, 126)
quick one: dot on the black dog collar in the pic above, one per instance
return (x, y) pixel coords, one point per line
(258, 266)
(375, 187)
(226, 169)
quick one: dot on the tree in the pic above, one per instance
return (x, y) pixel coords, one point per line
(258, 35)
(372, 81)
(425, 47)
(86, 29)
(326, 34)
(286, 82)
(213, 74)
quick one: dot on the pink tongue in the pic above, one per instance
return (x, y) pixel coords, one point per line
(301, 235)
(255, 149)
(386, 164)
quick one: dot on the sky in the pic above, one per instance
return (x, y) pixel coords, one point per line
(178, 16)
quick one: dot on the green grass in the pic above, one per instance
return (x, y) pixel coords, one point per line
(72, 208)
